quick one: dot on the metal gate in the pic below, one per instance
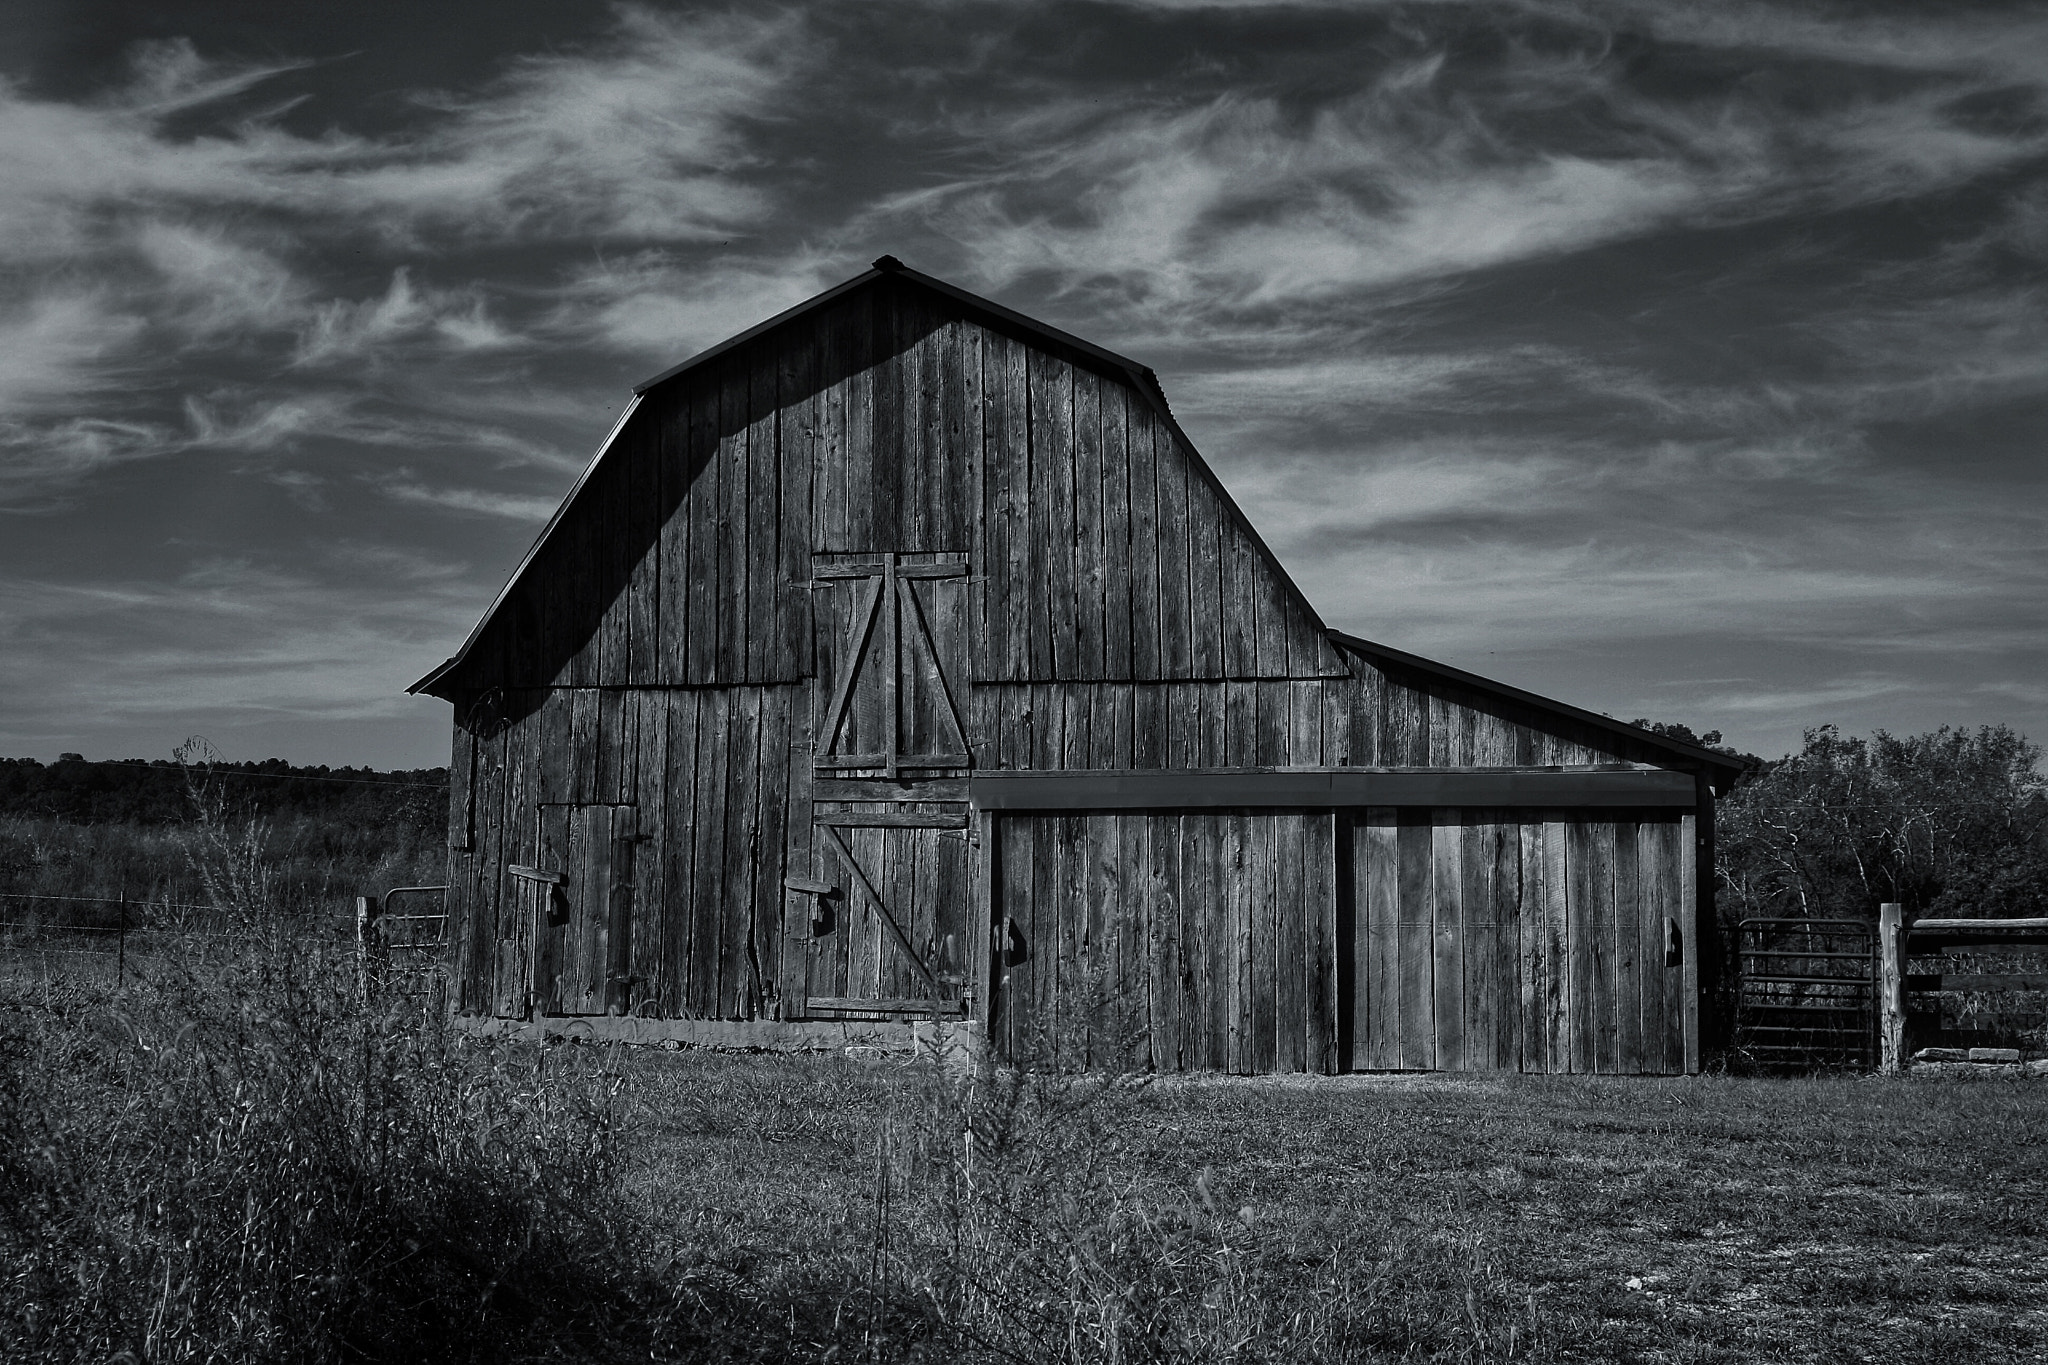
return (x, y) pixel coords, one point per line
(1806, 994)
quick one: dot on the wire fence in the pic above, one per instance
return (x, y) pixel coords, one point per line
(122, 940)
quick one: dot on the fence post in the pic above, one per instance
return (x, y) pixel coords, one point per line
(1891, 1026)
(366, 935)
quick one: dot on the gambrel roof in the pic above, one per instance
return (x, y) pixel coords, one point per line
(605, 520)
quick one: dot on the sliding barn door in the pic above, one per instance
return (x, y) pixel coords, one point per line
(880, 859)
(1544, 941)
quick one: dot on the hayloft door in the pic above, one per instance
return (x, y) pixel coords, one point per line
(576, 904)
(882, 866)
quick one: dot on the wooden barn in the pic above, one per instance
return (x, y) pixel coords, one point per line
(900, 658)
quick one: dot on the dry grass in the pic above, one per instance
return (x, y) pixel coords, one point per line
(250, 1167)
(1434, 1218)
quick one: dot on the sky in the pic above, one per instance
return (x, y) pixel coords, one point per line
(1679, 361)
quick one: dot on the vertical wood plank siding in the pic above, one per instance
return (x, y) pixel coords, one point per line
(1107, 550)
(660, 657)
(1526, 911)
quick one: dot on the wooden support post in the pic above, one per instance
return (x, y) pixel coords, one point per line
(1891, 985)
(366, 936)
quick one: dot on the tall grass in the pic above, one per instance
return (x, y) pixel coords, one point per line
(1032, 1213)
(252, 1166)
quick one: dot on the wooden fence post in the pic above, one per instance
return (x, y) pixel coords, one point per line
(1891, 1025)
(366, 936)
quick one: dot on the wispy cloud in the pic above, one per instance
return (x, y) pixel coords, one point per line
(1177, 208)
(56, 344)
(513, 506)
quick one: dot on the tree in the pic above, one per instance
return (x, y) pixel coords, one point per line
(1951, 823)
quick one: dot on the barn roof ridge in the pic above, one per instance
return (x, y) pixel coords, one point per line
(1693, 753)
(885, 266)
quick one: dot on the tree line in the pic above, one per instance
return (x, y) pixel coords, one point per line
(1950, 824)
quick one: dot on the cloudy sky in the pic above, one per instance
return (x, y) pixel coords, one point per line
(1687, 361)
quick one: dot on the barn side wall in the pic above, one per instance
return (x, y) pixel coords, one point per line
(707, 770)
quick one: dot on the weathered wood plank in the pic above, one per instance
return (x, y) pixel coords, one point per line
(1654, 873)
(1593, 918)
(742, 835)
(1177, 562)
(1416, 950)
(495, 919)
(1237, 600)
(1055, 648)
(829, 493)
(1062, 1008)
(889, 819)
(671, 965)
(1688, 894)
(1557, 1008)
(1148, 725)
(1117, 550)
(1206, 615)
(1262, 832)
(1196, 871)
(1114, 724)
(705, 500)
(1476, 868)
(1011, 616)
(764, 935)
(576, 768)
(1531, 965)
(1375, 947)
(866, 465)
(733, 528)
(966, 413)
(763, 514)
(1295, 925)
(1628, 977)
(1239, 729)
(1017, 864)
(1145, 540)
(1159, 857)
(1448, 937)
(900, 457)
(1089, 569)
(709, 811)
(796, 440)
(1322, 881)
(461, 788)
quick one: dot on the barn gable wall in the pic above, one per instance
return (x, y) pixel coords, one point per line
(889, 420)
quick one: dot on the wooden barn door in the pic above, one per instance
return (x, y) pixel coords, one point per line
(576, 905)
(879, 853)
(1542, 941)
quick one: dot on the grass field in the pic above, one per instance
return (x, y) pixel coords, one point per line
(1705, 1219)
(248, 1166)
